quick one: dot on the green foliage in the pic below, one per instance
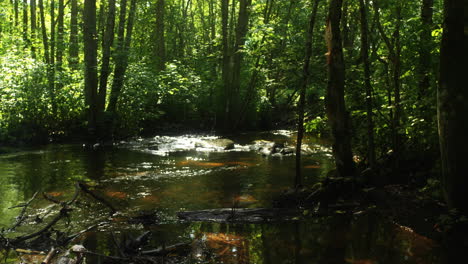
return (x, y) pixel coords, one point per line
(149, 100)
(317, 126)
(432, 188)
(26, 112)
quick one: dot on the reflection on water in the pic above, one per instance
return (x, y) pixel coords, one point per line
(162, 175)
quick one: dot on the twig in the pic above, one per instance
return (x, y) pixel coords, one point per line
(75, 196)
(21, 217)
(92, 194)
(49, 256)
(74, 236)
(63, 212)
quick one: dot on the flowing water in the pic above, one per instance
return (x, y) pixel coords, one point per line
(163, 175)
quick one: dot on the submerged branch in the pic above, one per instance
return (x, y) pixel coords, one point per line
(85, 189)
(21, 216)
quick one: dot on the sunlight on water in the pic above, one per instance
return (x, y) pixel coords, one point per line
(149, 180)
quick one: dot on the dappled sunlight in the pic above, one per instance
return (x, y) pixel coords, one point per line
(200, 164)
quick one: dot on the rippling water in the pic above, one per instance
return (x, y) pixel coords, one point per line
(166, 174)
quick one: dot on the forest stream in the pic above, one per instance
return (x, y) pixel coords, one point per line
(154, 178)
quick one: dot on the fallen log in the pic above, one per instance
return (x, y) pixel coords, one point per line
(243, 215)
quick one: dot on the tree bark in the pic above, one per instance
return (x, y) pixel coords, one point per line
(225, 88)
(241, 32)
(45, 41)
(121, 62)
(367, 82)
(335, 104)
(73, 50)
(60, 35)
(52, 53)
(25, 20)
(90, 59)
(305, 80)
(107, 41)
(160, 42)
(452, 106)
(33, 28)
(118, 57)
(16, 11)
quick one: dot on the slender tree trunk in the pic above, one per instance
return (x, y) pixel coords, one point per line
(90, 59)
(107, 42)
(225, 92)
(305, 81)
(335, 104)
(16, 10)
(47, 58)
(73, 50)
(121, 62)
(453, 107)
(25, 20)
(33, 28)
(241, 32)
(160, 43)
(45, 41)
(367, 82)
(60, 40)
(101, 20)
(52, 53)
(345, 25)
(118, 58)
(425, 47)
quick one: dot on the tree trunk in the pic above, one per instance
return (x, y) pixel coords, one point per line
(33, 28)
(52, 53)
(224, 95)
(452, 106)
(160, 43)
(73, 50)
(107, 41)
(16, 7)
(305, 81)
(118, 57)
(60, 33)
(45, 41)
(121, 61)
(367, 82)
(90, 59)
(25, 20)
(425, 47)
(241, 32)
(335, 104)
(47, 59)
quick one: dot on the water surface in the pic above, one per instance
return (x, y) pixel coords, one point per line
(165, 174)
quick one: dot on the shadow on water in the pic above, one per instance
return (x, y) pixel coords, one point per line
(164, 175)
